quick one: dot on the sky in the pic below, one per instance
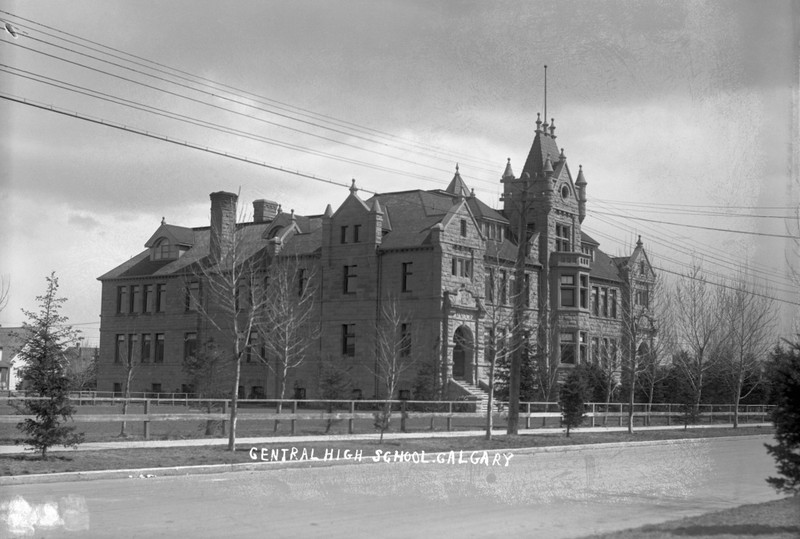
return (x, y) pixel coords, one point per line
(679, 112)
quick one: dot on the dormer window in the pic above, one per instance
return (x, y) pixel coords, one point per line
(275, 231)
(162, 249)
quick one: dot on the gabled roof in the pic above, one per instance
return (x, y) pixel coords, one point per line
(482, 211)
(178, 235)
(457, 186)
(250, 237)
(586, 238)
(603, 267)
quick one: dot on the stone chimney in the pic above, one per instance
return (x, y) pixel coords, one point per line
(223, 225)
(264, 210)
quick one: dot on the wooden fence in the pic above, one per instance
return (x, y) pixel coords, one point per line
(597, 414)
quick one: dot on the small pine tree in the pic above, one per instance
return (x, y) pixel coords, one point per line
(784, 378)
(45, 374)
(572, 398)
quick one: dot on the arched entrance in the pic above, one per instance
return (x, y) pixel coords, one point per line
(462, 352)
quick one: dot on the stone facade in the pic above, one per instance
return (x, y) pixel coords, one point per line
(446, 259)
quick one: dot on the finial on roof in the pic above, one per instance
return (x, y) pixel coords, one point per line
(553, 127)
(562, 157)
(639, 243)
(580, 180)
(280, 208)
(508, 173)
(293, 218)
(353, 187)
(545, 127)
(163, 221)
(472, 193)
(456, 168)
(538, 122)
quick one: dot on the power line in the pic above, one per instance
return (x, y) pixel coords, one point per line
(766, 234)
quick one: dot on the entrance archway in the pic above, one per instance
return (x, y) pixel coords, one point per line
(462, 352)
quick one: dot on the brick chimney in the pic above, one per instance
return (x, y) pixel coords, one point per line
(223, 225)
(264, 210)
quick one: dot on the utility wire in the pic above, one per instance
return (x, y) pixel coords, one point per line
(706, 227)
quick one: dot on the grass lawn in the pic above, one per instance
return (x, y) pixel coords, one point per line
(115, 459)
(779, 519)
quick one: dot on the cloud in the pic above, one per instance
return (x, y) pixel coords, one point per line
(85, 222)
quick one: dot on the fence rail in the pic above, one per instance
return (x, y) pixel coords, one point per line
(292, 411)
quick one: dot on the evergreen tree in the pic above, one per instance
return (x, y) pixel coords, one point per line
(784, 376)
(572, 398)
(45, 374)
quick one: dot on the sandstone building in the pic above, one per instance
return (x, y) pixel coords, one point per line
(443, 256)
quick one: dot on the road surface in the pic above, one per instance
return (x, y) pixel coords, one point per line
(566, 492)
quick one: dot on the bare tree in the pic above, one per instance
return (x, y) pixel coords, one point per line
(393, 356)
(699, 328)
(5, 289)
(81, 370)
(130, 368)
(749, 317)
(647, 334)
(499, 325)
(653, 363)
(547, 358)
(226, 289)
(288, 324)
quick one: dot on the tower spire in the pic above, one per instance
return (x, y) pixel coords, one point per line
(545, 93)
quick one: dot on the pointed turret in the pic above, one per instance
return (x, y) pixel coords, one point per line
(508, 173)
(580, 186)
(457, 186)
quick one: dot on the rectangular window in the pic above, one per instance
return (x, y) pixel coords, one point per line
(563, 242)
(503, 287)
(133, 345)
(464, 228)
(189, 345)
(350, 279)
(147, 298)
(489, 286)
(136, 298)
(119, 349)
(605, 302)
(527, 290)
(117, 389)
(596, 301)
(349, 340)
(613, 353)
(302, 279)
(356, 233)
(567, 290)
(405, 285)
(584, 279)
(155, 387)
(147, 347)
(161, 298)
(567, 341)
(642, 298)
(343, 235)
(613, 303)
(461, 267)
(595, 350)
(159, 352)
(192, 298)
(122, 299)
(604, 355)
(405, 340)
(584, 347)
(491, 345)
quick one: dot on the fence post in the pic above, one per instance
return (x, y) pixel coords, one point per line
(620, 415)
(669, 414)
(224, 412)
(294, 411)
(402, 416)
(594, 409)
(449, 416)
(146, 421)
(351, 421)
(528, 418)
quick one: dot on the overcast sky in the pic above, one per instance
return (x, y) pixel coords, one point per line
(686, 103)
